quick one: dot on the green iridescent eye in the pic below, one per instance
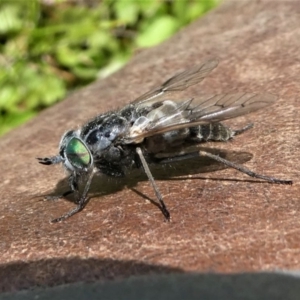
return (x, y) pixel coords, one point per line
(78, 154)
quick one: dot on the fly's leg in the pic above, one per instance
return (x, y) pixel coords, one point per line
(243, 169)
(72, 212)
(72, 182)
(152, 181)
(242, 130)
(226, 162)
(81, 202)
(57, 197)
(73, 189)
(50, 160)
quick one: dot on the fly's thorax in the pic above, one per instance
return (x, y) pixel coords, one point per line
(138, 127)
(130, 113)
(75, 153)
(105, 134)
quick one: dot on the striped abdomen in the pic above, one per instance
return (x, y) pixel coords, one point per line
(211, 132)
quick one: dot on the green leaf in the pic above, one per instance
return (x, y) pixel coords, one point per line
(9, 20)
(13, 120)
(49, 46)
(126, 11)
(161, 29)
(9, 97)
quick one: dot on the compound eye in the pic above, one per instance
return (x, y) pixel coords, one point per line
(78, 154)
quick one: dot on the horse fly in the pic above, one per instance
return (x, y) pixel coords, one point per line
(150, 128)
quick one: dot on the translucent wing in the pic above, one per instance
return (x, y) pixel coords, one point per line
(178, 82)
(206, 109)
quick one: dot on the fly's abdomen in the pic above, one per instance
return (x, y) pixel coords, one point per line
(210, 132)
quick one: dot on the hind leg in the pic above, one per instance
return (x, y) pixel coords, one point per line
(242, 130)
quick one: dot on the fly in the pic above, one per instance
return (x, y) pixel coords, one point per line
(154, 129)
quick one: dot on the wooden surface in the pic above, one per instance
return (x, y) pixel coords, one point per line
(222, 221)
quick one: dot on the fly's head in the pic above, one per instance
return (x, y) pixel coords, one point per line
(73, 153)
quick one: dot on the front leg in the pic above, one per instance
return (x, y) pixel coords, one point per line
(50, 160)
(73, 189)
(81, 200)
(57, 197)
(72, 182)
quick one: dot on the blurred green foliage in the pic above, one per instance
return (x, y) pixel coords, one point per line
(49, 47)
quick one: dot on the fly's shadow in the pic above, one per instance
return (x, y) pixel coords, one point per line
(103, 185)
